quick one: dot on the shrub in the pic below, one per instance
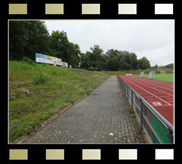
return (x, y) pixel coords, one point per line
(157, 72)
(133, 115)
(41, 79)
(169, 71)
(131, 111)
(27, 60)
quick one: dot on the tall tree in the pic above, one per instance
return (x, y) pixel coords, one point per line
(144, 63)
(113, 59)
(62, 48)
(134, 61)
(17, 39)
(59, 45)
(26, 38)
(95, 56)
(37, 38)
(156, 66)
(74, 51)
(85, 61)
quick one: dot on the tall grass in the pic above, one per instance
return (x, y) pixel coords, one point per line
(61, 87)
(27, 60)
(41, 79)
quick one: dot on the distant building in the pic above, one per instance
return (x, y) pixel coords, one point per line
(91, 68)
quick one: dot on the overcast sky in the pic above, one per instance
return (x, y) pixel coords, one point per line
(153, 39)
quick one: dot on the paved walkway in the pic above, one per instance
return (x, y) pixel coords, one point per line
(102, 117)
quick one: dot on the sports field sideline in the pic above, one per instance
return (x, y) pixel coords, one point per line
(158, 94)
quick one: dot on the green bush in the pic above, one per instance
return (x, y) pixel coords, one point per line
(131, 111)
(169, 71)
(133, 115)
(157, 72)
(27, 60)
(41, 79)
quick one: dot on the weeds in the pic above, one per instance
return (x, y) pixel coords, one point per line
(27, 60)
(131, 111)
(133, 115)
(41, 79)
(61, 87)
(61, 84)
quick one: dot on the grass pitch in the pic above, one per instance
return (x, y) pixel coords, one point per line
(162, 77)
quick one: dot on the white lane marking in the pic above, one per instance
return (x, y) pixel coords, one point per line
(164, 86)
(155, 89)
(164, 83)
(150, 93)
(156, 83)
(156, 103)
(162, 105)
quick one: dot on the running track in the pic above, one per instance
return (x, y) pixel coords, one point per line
(158, 94)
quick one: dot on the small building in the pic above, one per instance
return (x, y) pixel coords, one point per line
(91, 68)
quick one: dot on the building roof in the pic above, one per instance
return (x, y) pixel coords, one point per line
(92, 68)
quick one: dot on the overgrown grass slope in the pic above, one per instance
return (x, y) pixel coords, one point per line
(38, 91)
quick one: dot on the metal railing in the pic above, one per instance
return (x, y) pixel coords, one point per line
(155, 126)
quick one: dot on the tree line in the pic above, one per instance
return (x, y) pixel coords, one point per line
(28, 37)
(113, 60)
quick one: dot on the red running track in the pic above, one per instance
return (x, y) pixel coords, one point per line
(158, 94)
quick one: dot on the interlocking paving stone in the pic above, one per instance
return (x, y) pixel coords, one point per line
(93, 119)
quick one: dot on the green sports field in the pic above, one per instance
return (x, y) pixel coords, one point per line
(161, 77)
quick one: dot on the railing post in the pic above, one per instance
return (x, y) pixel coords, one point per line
(126, 91)
(170, 136)
(132, 99)
(143, 106)
(141, 114)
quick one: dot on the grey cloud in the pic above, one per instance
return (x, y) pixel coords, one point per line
(151, 38)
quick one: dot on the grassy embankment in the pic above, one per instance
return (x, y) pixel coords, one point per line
(38, 91)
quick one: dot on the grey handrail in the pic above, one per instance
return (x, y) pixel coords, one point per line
(166, 123)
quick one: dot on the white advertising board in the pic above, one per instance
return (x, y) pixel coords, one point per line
(40, 58)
